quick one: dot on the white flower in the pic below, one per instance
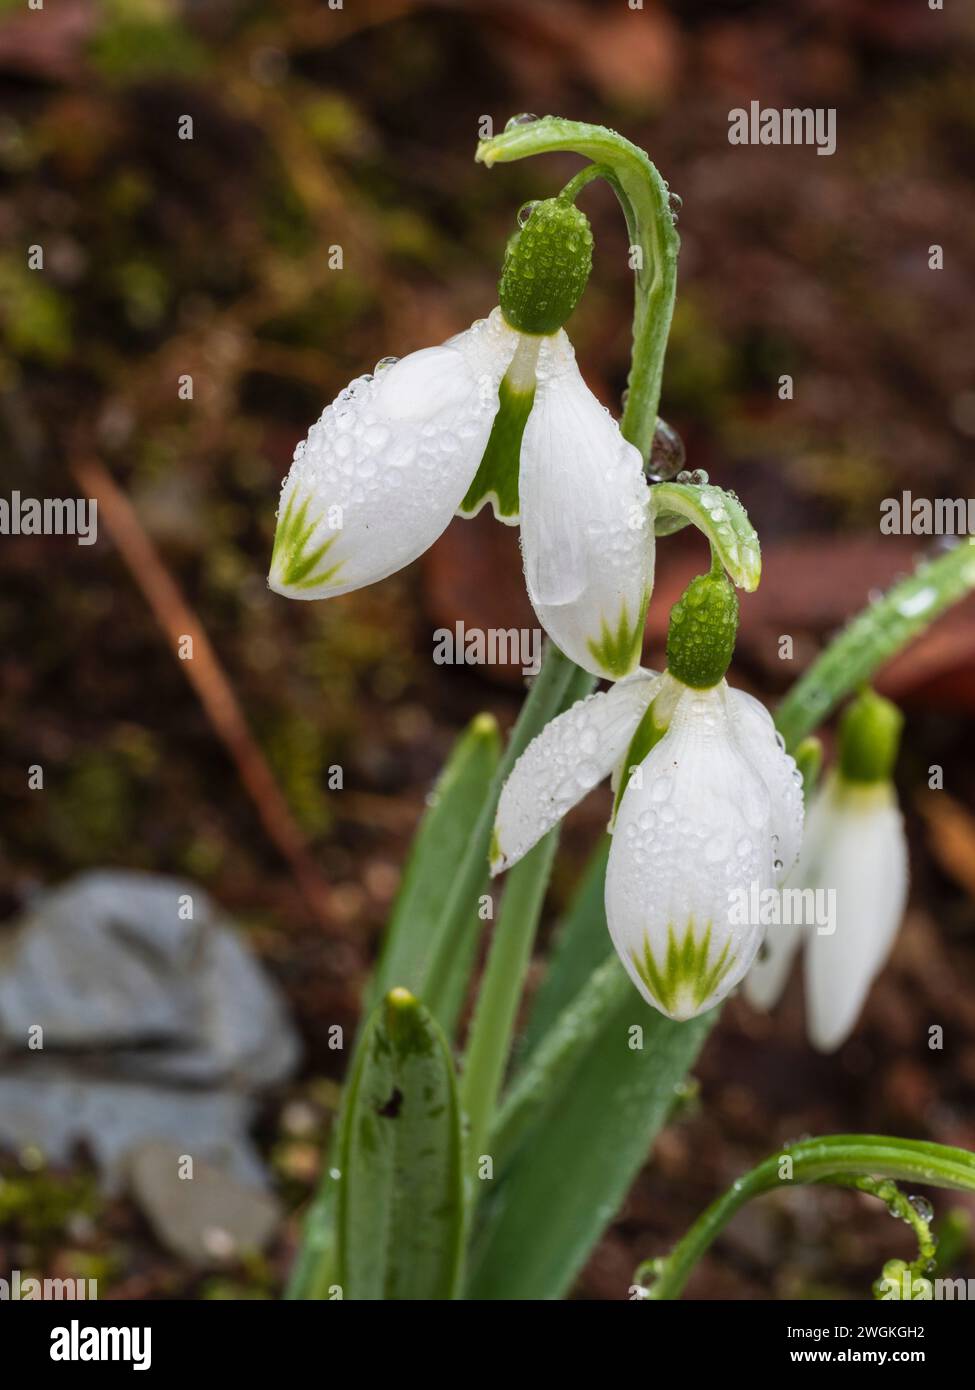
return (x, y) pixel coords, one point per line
(855, 849)
(712, 812)
(397, 454)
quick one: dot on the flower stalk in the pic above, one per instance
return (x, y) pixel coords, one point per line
(832, 1159)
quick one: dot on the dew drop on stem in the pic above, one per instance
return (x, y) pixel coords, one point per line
(667, 453)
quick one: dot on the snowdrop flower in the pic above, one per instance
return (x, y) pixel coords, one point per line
(709, 804)
(499, 414)
(855, 849)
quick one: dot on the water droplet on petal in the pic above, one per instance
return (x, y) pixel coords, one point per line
(383, 364)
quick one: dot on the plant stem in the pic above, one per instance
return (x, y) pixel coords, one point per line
(500, 992)
(559, 684)
(816, 1160)
(654, 243)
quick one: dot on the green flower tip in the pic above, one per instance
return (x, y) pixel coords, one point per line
(484, 725)
(870, 735)
(702, 633)
(546, 268)
(405, 1023)
(809, 761)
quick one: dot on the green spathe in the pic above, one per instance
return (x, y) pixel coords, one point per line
(546, 268)
(703, 628)
(870, 735)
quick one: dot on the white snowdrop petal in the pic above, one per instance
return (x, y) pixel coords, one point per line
(586, 536)
(863, 858)
(692, 836)
(766, 980)
(763, 747)
(383, 471)
(569, 757)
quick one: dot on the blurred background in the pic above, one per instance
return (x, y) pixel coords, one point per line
(208, 257)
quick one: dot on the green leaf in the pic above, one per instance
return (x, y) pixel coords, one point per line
(550, 1067)
(400, 1210)
(444, 834)
(580, 946)
(603, 1105)
(489, 1040)
(449, 923)
(873, 637)
(558, 685)
(721, 517)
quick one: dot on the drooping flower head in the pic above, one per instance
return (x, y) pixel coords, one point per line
(855, 851)
(499, 414)
(709, 807)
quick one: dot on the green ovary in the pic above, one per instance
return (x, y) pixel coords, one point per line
(685, 976)
(617, 653)
(297, 566)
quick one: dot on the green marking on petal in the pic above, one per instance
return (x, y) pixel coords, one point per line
(617, 653)
(685, 972)
(292, 563)
(494, 853)
(496, 480)
(648, 734)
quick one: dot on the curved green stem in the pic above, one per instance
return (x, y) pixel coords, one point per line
(829, 1159)
(873, 637)
(718, 515)
(645, 200)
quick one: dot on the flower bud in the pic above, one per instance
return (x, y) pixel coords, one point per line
(870, 735)
(546, 268)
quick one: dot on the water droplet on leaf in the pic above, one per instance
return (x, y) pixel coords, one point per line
(523, 118)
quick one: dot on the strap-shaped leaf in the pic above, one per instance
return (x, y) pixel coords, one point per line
(581, 944)
(593, 1118)
(400, 1201)
(457, 802)
(722, 519)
